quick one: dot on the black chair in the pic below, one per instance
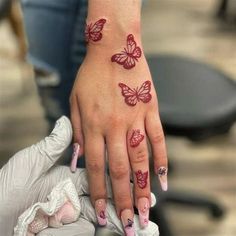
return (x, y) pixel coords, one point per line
(196, 101)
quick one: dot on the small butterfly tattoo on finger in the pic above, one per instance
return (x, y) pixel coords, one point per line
(141, 178)
(136, 138)
(93, 31)
(132, 96)
(130, 55)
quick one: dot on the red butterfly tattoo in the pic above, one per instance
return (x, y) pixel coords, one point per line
(130, 54)
(136, 138)
(141, 178)
(132, 96)
(93, 31)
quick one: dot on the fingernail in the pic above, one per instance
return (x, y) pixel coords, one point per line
(75, 155)
(153, 200)
(127, 221)
(143, 209)
(162, 174)
(100, 208)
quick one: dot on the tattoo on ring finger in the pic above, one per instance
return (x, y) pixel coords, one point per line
(141, 178)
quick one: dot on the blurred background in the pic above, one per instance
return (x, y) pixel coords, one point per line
(204, 30)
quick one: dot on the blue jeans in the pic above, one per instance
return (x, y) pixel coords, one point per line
(55, 34)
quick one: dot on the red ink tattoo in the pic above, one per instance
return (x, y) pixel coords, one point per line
(136, 138)
(132, 96)
(102, 215)
(130, 54)
(141, 178)
(93, 31)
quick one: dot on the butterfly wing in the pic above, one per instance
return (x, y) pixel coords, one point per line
(131, 44)
(133, 52)
(137, 53)
(136, 138)
(144, 94)
(129, 94)
(141, 178)
(120, 58)
(129, 63)
(130, 54)
(123, 59)
(94, 31)
(132, 48)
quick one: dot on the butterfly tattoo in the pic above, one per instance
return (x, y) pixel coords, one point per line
(136, 138)
(130, 55)
(93, 31)
(132, 96)
(141, 178)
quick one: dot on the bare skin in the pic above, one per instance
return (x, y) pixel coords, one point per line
(102, 120)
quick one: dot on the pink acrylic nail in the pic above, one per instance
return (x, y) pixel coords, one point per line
(102, 220)
(162, 175)
(75, 155)
(127, 221)
(129, 228)
(143, 208)
(100, 207)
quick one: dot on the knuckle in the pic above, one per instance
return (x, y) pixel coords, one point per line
(116, 121)
(123, 200)
(76, 129)
(158, 137)
(141, 156)
(94, 166)
(92, 121)
(71, 100)
(119, 170)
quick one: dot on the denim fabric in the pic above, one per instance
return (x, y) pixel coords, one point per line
(55, 33)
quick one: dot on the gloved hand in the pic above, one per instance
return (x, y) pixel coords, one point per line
(30, 175)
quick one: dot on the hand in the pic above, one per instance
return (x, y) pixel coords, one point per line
(30, 175)
(116, 110)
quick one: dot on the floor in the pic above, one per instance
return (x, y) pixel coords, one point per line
(180, 27)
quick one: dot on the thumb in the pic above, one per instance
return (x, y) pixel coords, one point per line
(31, 163)
(51, 148)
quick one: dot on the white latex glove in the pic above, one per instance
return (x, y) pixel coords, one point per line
(30, 175)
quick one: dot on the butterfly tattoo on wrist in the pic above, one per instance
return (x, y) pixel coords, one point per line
(93, 31)
(130, 55)
(132, 96)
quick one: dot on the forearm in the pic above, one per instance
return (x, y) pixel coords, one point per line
(122, 18)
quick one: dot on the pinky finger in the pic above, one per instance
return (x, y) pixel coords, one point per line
(77, 132)
(157, 139)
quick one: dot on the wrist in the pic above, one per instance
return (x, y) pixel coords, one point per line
(120, 18)
(114, 39)
(113, 31)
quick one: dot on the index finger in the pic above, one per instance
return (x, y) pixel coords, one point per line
(157, 139)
